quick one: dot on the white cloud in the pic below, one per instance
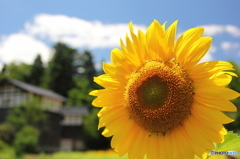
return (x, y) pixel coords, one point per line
(31, 40)
(21, 47)
(233, 30)
(214, 29)
(227, 45)
(209, 55)
(77, 32)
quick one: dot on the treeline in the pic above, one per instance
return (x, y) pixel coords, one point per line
(63, 73)
(69, 73)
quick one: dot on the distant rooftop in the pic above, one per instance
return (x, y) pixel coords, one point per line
(34, 89)
(73, 116)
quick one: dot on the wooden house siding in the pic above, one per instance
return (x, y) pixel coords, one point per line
(11, 96)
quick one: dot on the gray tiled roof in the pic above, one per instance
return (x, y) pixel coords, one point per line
(34, 89)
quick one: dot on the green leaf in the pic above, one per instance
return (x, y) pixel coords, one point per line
(231, 143)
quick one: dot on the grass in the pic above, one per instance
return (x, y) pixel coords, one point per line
(78, 155)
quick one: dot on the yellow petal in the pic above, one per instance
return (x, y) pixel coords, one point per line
(197, 51)
(215, 102)
(107, 81)
(211, 114)
(138, 148)
(185, 41)
(153, 148)
(173, 145)
(208, 69)
(123, 142)
(220, 91)
(211, 130)
(107, 92)
(122, 133)
(130, 57)
(138, 45)
(170, 36)
(197, 149)
(117, 58)
(111, 128)
(180, 137)
(196, 136)
(220, 79)
(109, 114)
(215, 129)
(156, 40)
(108, 100)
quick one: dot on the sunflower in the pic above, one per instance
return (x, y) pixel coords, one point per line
(158, 102)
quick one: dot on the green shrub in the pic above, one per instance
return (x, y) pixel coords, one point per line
(7, 133)
(26, 140)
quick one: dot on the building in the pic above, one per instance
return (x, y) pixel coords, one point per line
(72, 132)
(62, 124)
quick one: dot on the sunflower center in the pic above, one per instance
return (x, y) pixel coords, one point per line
(152, 92)
(159, 96)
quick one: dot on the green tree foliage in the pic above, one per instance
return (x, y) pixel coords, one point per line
(235, 83)
(28, 114)
(26, 140)
(61, 69)
(85, 65)
(15, 70)
(92, 136)
(79, 94)
(83, 80)
(4, 69)
(36, 72)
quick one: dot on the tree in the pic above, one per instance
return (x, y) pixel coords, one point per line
(83, 79)
(79, 94)
(37, 70)
(15, 70)
(86, 65)
(61, 69)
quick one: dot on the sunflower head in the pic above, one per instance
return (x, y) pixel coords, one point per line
(158, 101)
(159, 87)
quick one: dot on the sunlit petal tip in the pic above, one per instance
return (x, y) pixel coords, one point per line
(232, 73)
(164, 26)
(171, 33)
(155, 21)
(93, 93)
(131, 27)
(156, 25)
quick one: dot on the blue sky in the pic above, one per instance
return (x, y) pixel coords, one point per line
(29, 27)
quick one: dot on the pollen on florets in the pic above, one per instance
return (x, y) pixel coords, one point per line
(159, 96)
